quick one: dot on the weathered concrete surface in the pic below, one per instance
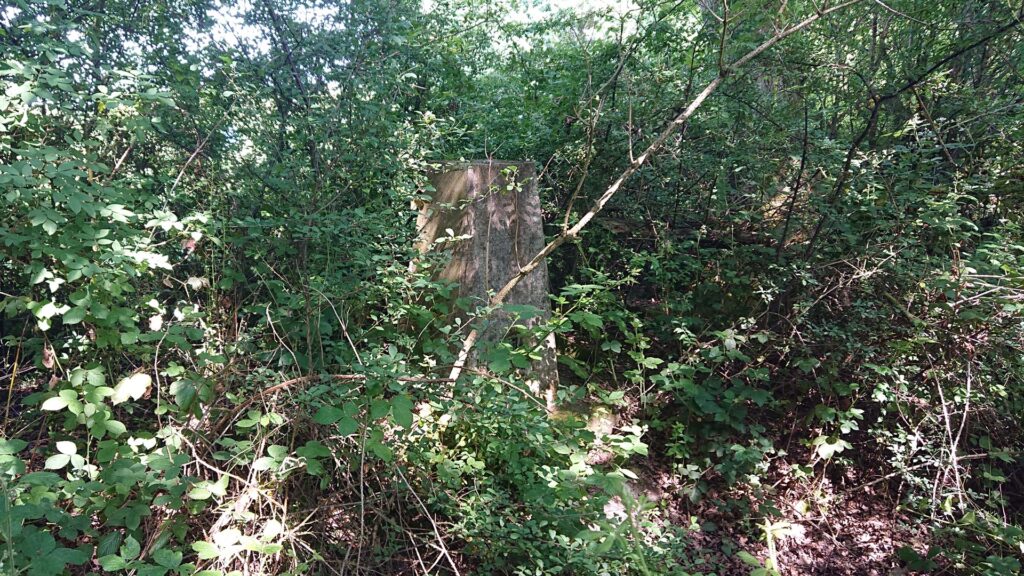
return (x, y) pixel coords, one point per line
(497, 206)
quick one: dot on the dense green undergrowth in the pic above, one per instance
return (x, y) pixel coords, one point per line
(217, 358)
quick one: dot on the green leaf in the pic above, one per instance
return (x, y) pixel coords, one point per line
(75, 315)
(348, 426)
(133, 387)
(263, 464)
(57, 461)
(828, 447)
(167, 558)
(381, 451)
(401, 410)
(313, 449)
(41, 479)
(114, 427)
(131, 548)
(379, 408)
(12, 446)
(748, 559)
(65, 447)
(652, 363)
(69, 556)
(53, 404)
(501, 361)
(199, 493)
(205, 550)
(328, 415)
(150, 570)
(109, 544)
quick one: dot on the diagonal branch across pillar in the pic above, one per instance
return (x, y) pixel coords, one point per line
(494, 207)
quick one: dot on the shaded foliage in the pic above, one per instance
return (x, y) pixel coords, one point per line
(216, 356)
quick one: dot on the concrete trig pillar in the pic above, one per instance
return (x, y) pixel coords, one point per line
(495, 204)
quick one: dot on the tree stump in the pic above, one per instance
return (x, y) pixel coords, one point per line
(495, 206)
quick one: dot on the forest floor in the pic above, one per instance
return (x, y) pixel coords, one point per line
(834, 524)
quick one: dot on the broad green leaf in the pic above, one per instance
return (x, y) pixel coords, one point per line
(112, 563)
(109, 544)
(75, 315)
(379, 408)
(167, 558)
(206, 550)
(131, 548)
(53, 404)
(380, 450)
(57, 461)
(748, 559)
(348, 426)
(401, 410)
(12, 446)
(133, 387)
(114, 427)
(328, 415)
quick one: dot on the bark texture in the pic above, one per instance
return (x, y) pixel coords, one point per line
(496, 206)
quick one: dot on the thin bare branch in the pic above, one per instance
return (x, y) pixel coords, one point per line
(471, 339)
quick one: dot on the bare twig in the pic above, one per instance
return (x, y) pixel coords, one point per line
(677, 123)
(433, 524)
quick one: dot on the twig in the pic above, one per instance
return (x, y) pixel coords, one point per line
(120, 161)
(194, 154)
(910, 469)
(343, 377)
(433, 524)
(10, 388)
(935, 129)
(677, 123)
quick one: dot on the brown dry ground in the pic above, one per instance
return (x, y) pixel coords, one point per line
(835, 526)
